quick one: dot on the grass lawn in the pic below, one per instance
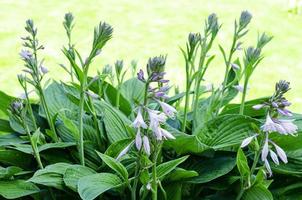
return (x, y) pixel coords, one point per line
(148, 28)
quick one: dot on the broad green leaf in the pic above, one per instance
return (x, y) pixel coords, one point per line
(242, 164)
(165, 168)
(26, 148)
(211, 168)
(57, 99)
(110, 94)
(218, 134)
(91, 186)
(115, 122)
(10, 139)
(51, 175)
(115, 148)
(248, 108)
(5, 126)
(133, 89)
(8, 172)
(115, 165)
(5, 101)
(179, 174)
(14, 189)
(74, 173)
(15, 158)
(257, 192)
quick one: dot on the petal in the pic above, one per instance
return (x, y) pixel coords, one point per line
(124, 151)
(268, 167)
(138, 140)
(264, 152)
(167, 134)
(247, 141)
(146, 145)
(281, 153)
(274, 157)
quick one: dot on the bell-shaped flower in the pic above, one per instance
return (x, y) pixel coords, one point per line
(124, 151)
(139, 120)
(138, 140)
(281, 153)
(274, 157)
(288, 126)
(239, 88)
(146, 145)
(258, 106)
(284, 112)
(268, 167)
(166, 134)
(265, 149)
(271, 126)
(168, 109)
(247, 141)
(156, 118)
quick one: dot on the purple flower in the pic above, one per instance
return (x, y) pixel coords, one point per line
(258, 106)
(124, 151)
(284, 112)
(146, 145)
(168, 110)
(271, 126)
(274, 157)
(140, 75)
(25, 54)
(265, 149)
(156, 118)
(235, 66)
(239, 88)
(44, 70)
(284, 102)
(248, 140)
(281, 153)
(288, 126)
(138, 140)
(92, 95)
(166, 134)
(275, 105)
(139, 121)
(268, 168)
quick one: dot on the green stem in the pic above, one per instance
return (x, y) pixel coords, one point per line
(241, 112)
(117, 103)
(154, 175)
(81, 113)
(187, 98)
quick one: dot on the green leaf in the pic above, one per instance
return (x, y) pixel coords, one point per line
(74, 173)
(115, 122)
(248, 108)
(10, 139)
(242, 164)
(115, 165)
(15, 158)
(223, 132)
(180, 174)
(57, 100)
(90, 187)
(257, 192)
(165, 168)
(5, 126)
(51, 176)
(26, 148)
(210, 169)
(8, 172)
(110, 94)
(133, 89)
(5, 101)
(17, 188)
(115, 148)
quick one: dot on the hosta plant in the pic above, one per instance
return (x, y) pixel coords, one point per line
(124, 134)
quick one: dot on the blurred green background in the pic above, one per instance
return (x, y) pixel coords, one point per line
(149, 28)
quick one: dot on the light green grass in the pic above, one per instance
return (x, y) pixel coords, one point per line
(148, 28)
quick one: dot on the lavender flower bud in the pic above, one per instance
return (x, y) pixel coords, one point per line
(138, 140)
(239, 88)
(193, 39)
(119, 64)
(140, 75)
(282, 86)
(245, 19)
(258, 106)
(107, 70)
(213, 23)
(25, 54)
(263, 40)
(44, 70)
(235, 66)
(146, 145)
(92, 95)
(68, 19)
(252, 54)
(124, 151)
(156, 64)
(16, 106)
(274, 104)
